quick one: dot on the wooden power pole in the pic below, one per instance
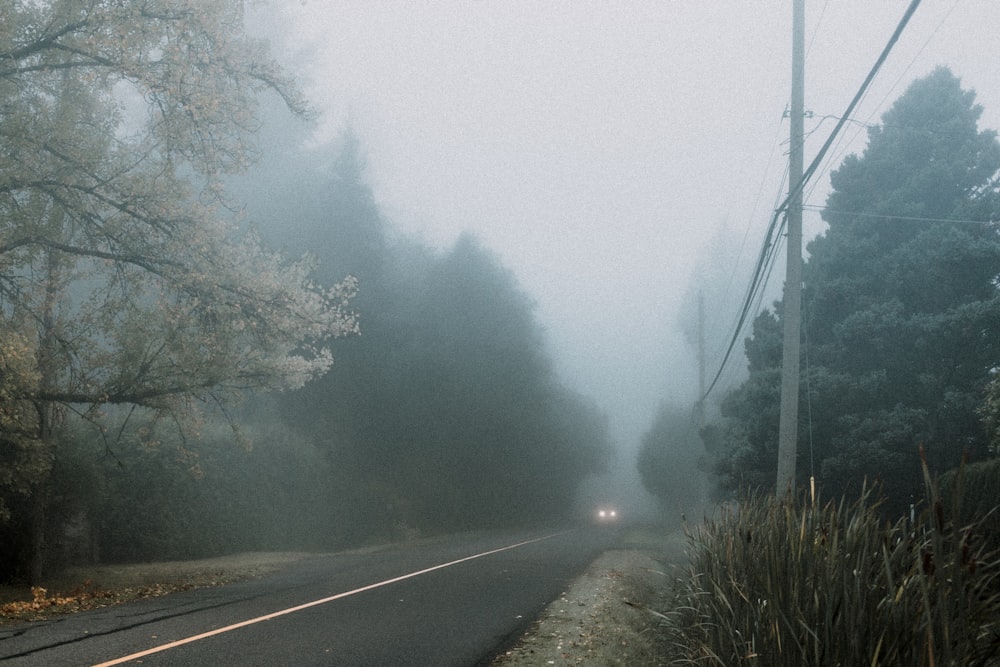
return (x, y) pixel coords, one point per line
(701, 360)
(792, 304)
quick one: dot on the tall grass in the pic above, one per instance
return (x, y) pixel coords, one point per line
(795, 582)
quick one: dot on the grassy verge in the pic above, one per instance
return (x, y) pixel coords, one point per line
(795, 582)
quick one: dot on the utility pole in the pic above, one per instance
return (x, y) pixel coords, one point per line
(701, 360)
(792, 303)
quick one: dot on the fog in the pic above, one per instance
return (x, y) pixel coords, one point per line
(537, 200)
(611, 154)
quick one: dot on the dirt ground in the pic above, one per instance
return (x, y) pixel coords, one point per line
(608, 616)
(82, 588)
(611, 615)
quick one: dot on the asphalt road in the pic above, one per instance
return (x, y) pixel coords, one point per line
(447, 601)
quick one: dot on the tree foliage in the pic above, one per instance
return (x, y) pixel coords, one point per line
(107, 232)
(123, 274)
(901, 310)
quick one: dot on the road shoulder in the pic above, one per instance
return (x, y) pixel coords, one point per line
(608, 615)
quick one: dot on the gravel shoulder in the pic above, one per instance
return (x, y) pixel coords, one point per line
(610, 615)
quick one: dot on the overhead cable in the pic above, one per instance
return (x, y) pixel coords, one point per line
(780, 214)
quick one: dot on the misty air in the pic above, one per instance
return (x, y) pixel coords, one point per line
(499, 333)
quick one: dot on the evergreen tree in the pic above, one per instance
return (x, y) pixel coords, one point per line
(445, 413)
(900, 303)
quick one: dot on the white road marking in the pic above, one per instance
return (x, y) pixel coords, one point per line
(314, 603)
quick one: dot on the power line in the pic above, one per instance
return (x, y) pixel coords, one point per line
(903, 218)
(780, 214)
(844, 117)
(894, 86)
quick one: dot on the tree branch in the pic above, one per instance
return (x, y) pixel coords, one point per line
(145, 262)
(46, 42)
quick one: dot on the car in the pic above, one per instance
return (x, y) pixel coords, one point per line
(606, 515)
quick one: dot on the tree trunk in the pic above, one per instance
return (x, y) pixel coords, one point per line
(39, 505)
(48, 412)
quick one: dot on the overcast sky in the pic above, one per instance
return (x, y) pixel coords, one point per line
(600, 148)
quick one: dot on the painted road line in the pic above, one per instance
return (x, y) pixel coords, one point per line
(314, 603)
